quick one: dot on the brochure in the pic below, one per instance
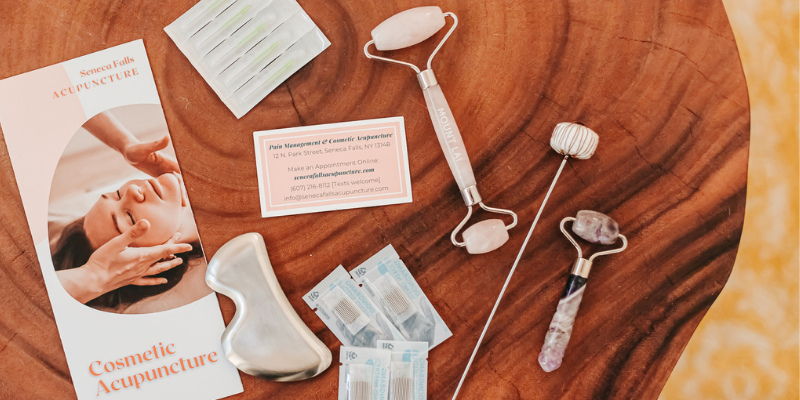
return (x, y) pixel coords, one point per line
(114, 232)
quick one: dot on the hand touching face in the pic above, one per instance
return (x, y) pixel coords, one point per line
(160, 201)
(148, 158)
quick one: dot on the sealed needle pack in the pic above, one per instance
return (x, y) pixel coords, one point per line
(408, 375)
(389, 284)
(364, 373)
(244, 49)
(348, 312)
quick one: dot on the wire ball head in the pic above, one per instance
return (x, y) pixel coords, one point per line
(574, 140)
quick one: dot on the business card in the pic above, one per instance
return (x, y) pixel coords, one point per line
(332, 167)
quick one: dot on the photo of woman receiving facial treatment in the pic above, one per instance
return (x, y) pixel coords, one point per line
(122, 235)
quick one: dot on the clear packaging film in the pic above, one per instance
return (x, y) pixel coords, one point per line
(247, 65)
(408, 375)
(249, 35)
(389, 284)
(401, 383)
(244, 49)
(348, 311)
(364, 373)
(265, 81)
(396, 303)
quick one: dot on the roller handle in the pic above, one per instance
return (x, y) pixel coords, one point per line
(409, 28)
(449, 136)
(557, 338)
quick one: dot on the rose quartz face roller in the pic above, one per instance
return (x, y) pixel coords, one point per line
(407, 29)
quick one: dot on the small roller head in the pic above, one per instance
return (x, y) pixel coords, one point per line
(595, 227)
(408, 28)
(574, 140)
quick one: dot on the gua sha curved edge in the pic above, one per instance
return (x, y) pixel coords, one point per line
(266, 337)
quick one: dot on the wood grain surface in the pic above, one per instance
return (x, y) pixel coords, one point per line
(660, 81)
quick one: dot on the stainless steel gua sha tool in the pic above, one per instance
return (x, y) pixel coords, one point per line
(569, 140)
(593, 227)
(266, 337)
(409, 28)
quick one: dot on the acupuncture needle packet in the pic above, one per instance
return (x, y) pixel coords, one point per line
(245, 49)
(408, 375)
(348, 312)
(388, 283)
(364, 373)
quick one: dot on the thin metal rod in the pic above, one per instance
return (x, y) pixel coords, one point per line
(580, 252)
(458, 228)
(469, 214)
(444, 39)
(613, 251)
(501, 211)
(412, 66)
(508, 279)
(569, 237)
(374, 57)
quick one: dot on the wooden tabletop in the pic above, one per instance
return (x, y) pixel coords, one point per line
(661, 83)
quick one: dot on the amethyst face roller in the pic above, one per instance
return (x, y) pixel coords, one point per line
(407, 29)
(593, 227)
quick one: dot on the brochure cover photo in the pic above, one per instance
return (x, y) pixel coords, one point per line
(114, 231)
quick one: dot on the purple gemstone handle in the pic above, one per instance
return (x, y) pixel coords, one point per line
(555, 343)
(595, 228)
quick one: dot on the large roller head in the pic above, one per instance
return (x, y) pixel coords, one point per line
(408, 28)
